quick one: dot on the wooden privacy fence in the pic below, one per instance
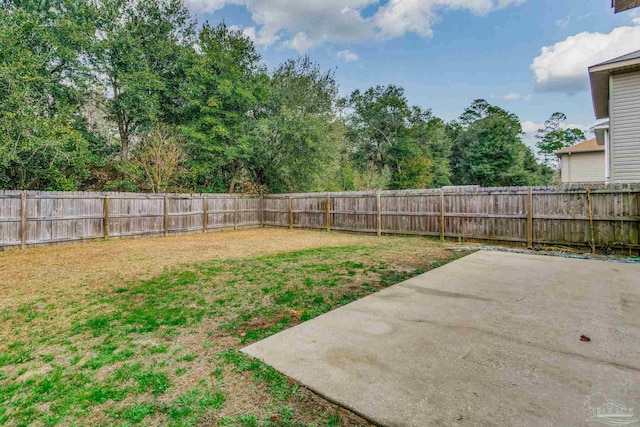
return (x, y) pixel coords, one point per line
(33, 218)
(600, 216)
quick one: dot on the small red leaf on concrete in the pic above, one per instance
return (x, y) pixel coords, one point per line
(585, 338)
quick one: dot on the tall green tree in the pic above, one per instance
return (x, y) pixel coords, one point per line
(43, 141)
(489, 150)
(84, 84)
(554, 137)
(297, 137)
(378, 126)
(435, 145)
(224, 96)
(388, 135)
(478, 110)
(493, 154)
(137, 57)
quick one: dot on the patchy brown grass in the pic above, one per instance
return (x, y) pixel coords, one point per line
(148, 331)
(77, 268)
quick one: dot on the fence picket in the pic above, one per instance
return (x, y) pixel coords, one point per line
(609, 217)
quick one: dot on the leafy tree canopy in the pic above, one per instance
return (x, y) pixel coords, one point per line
(133, 95)
(554, 137)
(488, 151)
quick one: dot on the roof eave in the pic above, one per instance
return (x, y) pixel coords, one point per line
(622, 5)
(562, 153)
(600, 93)
(599, 79)
(612, 66)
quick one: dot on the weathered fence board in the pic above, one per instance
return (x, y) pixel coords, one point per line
(600, 216)
(56, 217)
(10, 219)
(527, 215)
(276, 211)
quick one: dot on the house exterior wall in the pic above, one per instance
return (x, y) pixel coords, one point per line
(583, 167)
(625, 127)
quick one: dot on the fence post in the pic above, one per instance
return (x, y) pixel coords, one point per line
(23, 220)
(290, 212)
(165, 217)
(442, 215)
(235, 213)
(379, 212)
(530, 218)
(205, 214)
(262, 211)
(105, 219)
(328, 211)
(593, 231)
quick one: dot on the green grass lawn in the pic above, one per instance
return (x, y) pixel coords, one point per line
(165, 351)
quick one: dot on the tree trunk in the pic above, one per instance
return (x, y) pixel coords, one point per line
(123, 127)
(124, 138)
(236, 171)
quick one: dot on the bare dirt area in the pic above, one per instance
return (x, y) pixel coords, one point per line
(149, 331)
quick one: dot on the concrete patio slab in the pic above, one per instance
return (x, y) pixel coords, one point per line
(491, 339)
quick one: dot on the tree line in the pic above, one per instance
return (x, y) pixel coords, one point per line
(128, 95)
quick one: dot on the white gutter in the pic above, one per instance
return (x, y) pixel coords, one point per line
(607, 163)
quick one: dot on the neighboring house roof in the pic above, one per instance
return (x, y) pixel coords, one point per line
(584, 147)
(599, 77)
(622, 5)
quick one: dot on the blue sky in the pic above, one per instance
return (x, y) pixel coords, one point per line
(446, 53)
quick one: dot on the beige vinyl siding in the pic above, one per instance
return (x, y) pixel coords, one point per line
(583, 167)
(625, 127)
(565, 169)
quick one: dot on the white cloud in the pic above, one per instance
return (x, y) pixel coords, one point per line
(530, 127)
(199, 6)
(418, 16)
(300, 42)
(562, 23)
(511, 97)
(305, 24)
(259, 39)
(530, 130)
(347, 56)
(301, 25)
(563, 66)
